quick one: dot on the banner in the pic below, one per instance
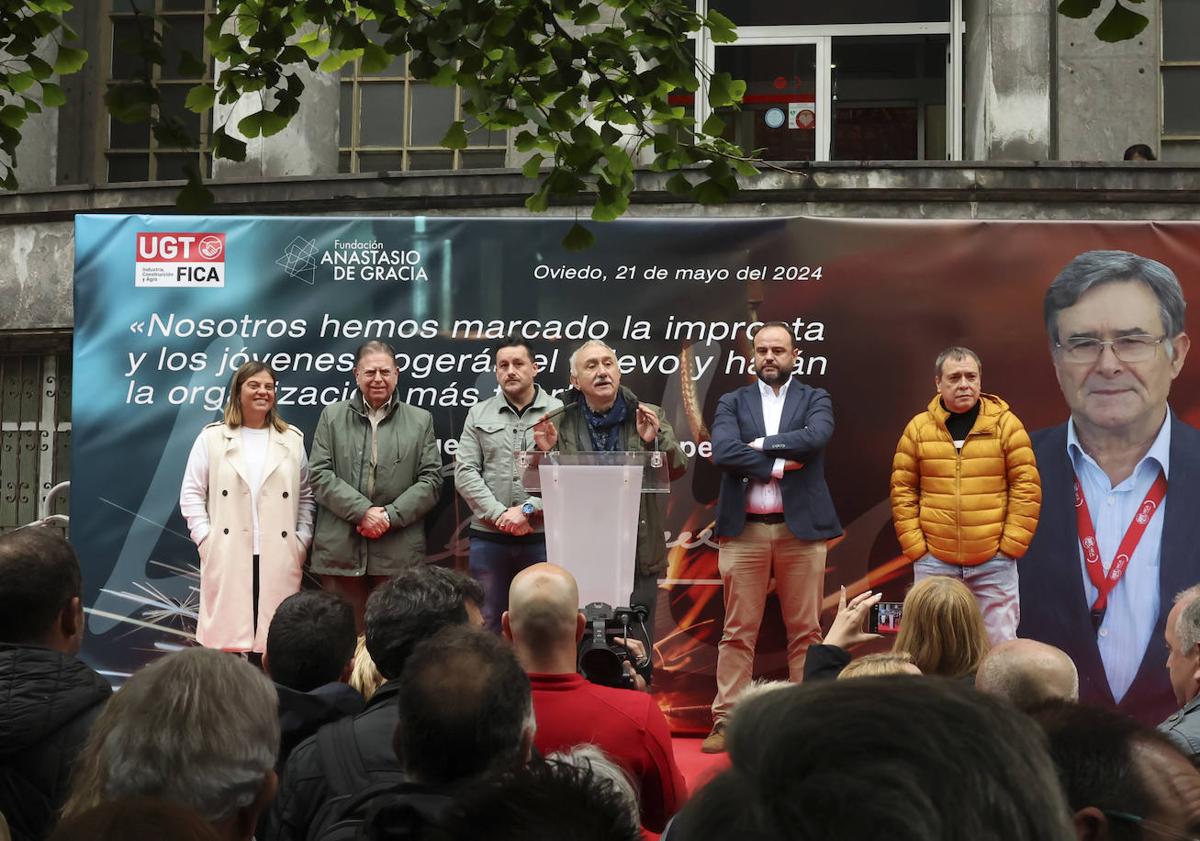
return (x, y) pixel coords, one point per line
(167, 308)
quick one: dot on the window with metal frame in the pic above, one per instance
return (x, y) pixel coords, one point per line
(390, 121)
(130, 150)
(1179, 79)
(869, 80)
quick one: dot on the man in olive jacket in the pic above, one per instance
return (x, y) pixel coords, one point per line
(600, 414)
(375, 472)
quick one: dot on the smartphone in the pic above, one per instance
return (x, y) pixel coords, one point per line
(885, 618)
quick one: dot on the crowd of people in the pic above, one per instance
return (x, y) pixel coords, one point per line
(472, 733)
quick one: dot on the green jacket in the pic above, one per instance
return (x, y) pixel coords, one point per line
(651, 538)
(408, 482)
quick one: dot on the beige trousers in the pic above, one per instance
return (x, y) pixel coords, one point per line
(747, 563)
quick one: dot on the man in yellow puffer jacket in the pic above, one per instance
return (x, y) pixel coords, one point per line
(966, 492)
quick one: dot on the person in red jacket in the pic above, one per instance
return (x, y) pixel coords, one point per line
(545, 626)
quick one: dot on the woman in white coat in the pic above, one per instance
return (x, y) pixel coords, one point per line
(250, 510)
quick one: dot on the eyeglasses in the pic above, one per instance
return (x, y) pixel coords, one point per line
(372, 373)
(1137, 348)
(1156, 829)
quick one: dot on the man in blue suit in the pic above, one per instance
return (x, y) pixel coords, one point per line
(774, 513)
(1119, 533)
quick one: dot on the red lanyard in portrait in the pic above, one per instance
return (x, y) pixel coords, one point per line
(1105, 584)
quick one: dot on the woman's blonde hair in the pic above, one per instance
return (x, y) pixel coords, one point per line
(874, 665)
(365, 676)
(942, 628)
(233, 406)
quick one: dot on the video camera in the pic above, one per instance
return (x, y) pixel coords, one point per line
(602, 659)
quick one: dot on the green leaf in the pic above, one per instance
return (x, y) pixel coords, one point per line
(262, 122)
(201, 98)
(224, 44)
(714, 125)
(375, 59)
(444, 77)
(224, 146)
(745, 168)
(247, 25)
(721, 29)
(578, 238)
(12, 116)
(274, 122)
(619, 162)
(69, 60)
(20, 81)
(171, 134)
(525, 141)
(56, 7)
(194, 197)
(337, 60)
(540, 200)
(611, 202)
(1121, 24)
(190, 66)
(533, 166)
(715, 190)
(560, 119)
(724, 91)
(1078, 8)
(678, 185)
(52, 95)
(456, 136)
(130, 103)
(39, 69)
(588, 13)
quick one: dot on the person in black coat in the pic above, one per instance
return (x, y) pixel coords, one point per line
(50, 697)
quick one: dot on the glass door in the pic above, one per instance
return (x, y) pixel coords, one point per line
(785, 113)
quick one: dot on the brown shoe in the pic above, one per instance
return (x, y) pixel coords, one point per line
(714, 742)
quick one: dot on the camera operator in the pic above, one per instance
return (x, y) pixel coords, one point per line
(545, 626)
(608, 655)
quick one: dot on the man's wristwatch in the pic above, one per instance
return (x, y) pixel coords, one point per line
(527, 509)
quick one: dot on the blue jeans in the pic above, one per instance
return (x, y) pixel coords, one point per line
(494, 565)
(994, 585)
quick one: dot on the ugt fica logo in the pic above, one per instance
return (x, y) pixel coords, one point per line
(180, 259)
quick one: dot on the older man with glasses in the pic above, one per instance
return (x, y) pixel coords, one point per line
(376, 473)
(1120, 480)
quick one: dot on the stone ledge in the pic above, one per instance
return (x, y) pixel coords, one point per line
(930, 184)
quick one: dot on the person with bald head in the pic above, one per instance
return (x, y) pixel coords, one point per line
(545, 626)
(1028, 673)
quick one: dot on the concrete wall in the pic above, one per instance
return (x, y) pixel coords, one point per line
(1006, 80)
(37, 262)
(36, 233)
(1107, 94)
(37, 153)
(308, 146)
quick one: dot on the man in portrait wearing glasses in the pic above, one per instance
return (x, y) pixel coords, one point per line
(375, 472)
(1120, 524)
